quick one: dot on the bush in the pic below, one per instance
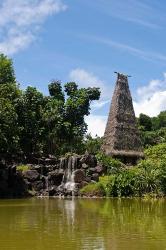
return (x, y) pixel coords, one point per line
(124, 183)
(93, 189)
(147, 177)
(156, 153)
(112, 165)
(22, 168)
(163, 176)
(92, 145)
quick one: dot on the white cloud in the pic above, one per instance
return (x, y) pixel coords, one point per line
(99, 104)
(134, 11)
(151, 98)
(151, 106)
(21, 19)
(88, 79)
(146, 55)
(96, 124)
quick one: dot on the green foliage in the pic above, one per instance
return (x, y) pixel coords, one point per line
(70, 88)
(148, 177)
(123, 184)
(162, 119)
(9, 95)
(145, 122)
(112, 165)
(151, 138)
(163, 176)
(156, 153)
(22, 168)
(29, 110)
(152, 130)
(8, 127)
(93, 189)
(92, 145)
(32, 123)
(6, 70)
(55, 90)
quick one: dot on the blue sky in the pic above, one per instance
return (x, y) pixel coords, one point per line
(86, 41)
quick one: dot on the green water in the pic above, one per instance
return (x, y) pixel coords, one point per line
(47, 224)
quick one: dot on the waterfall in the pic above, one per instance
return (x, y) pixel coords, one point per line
(46, 183)
(63, 162)
(68, 178)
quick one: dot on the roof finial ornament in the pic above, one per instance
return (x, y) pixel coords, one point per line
(119, 73)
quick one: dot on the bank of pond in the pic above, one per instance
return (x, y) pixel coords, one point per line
(87, 176)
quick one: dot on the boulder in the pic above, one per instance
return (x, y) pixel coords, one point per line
(95, 177)
(99, 169)
(88, 179)
(83, 184)
(92, 170)
(31, 175)
(89, 159)
(55, 177)
(53, 191)
(84, 166)
(79, 176)
(38, 186)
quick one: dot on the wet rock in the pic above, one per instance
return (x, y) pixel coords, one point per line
(28, 184)
(38, 185)
(53, 191)
(55, 177)
(83, 184)
(84, 166)
(35, 167)
(88, 179)
(92, 170)
(79, 176)
(99, 169)
(95, 177)
(89, 159)
(31, 175)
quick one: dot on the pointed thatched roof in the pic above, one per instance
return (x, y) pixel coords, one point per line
(121, 136)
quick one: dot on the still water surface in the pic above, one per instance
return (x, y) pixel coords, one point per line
(90, 224)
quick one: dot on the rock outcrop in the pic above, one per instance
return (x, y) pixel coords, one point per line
(62, 177)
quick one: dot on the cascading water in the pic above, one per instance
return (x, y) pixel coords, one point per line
(68, 178)
(46, 183)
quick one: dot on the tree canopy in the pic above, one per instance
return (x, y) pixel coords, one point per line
(32, 123)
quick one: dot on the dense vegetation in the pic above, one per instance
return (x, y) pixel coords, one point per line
(32, 123)
(148, 177)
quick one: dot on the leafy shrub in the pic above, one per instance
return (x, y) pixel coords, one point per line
(123, 183)
(93, 189)
(112, 165)
(148, 177)
(156, 153)
(92, 145)
(163, 176)
(22, 168)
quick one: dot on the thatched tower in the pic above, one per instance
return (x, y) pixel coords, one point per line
(121, 138)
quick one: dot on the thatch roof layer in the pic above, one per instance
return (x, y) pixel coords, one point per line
(121, 135)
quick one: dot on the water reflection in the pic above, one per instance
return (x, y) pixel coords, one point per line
(82, 224)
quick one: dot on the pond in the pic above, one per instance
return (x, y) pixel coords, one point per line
(55, 224)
